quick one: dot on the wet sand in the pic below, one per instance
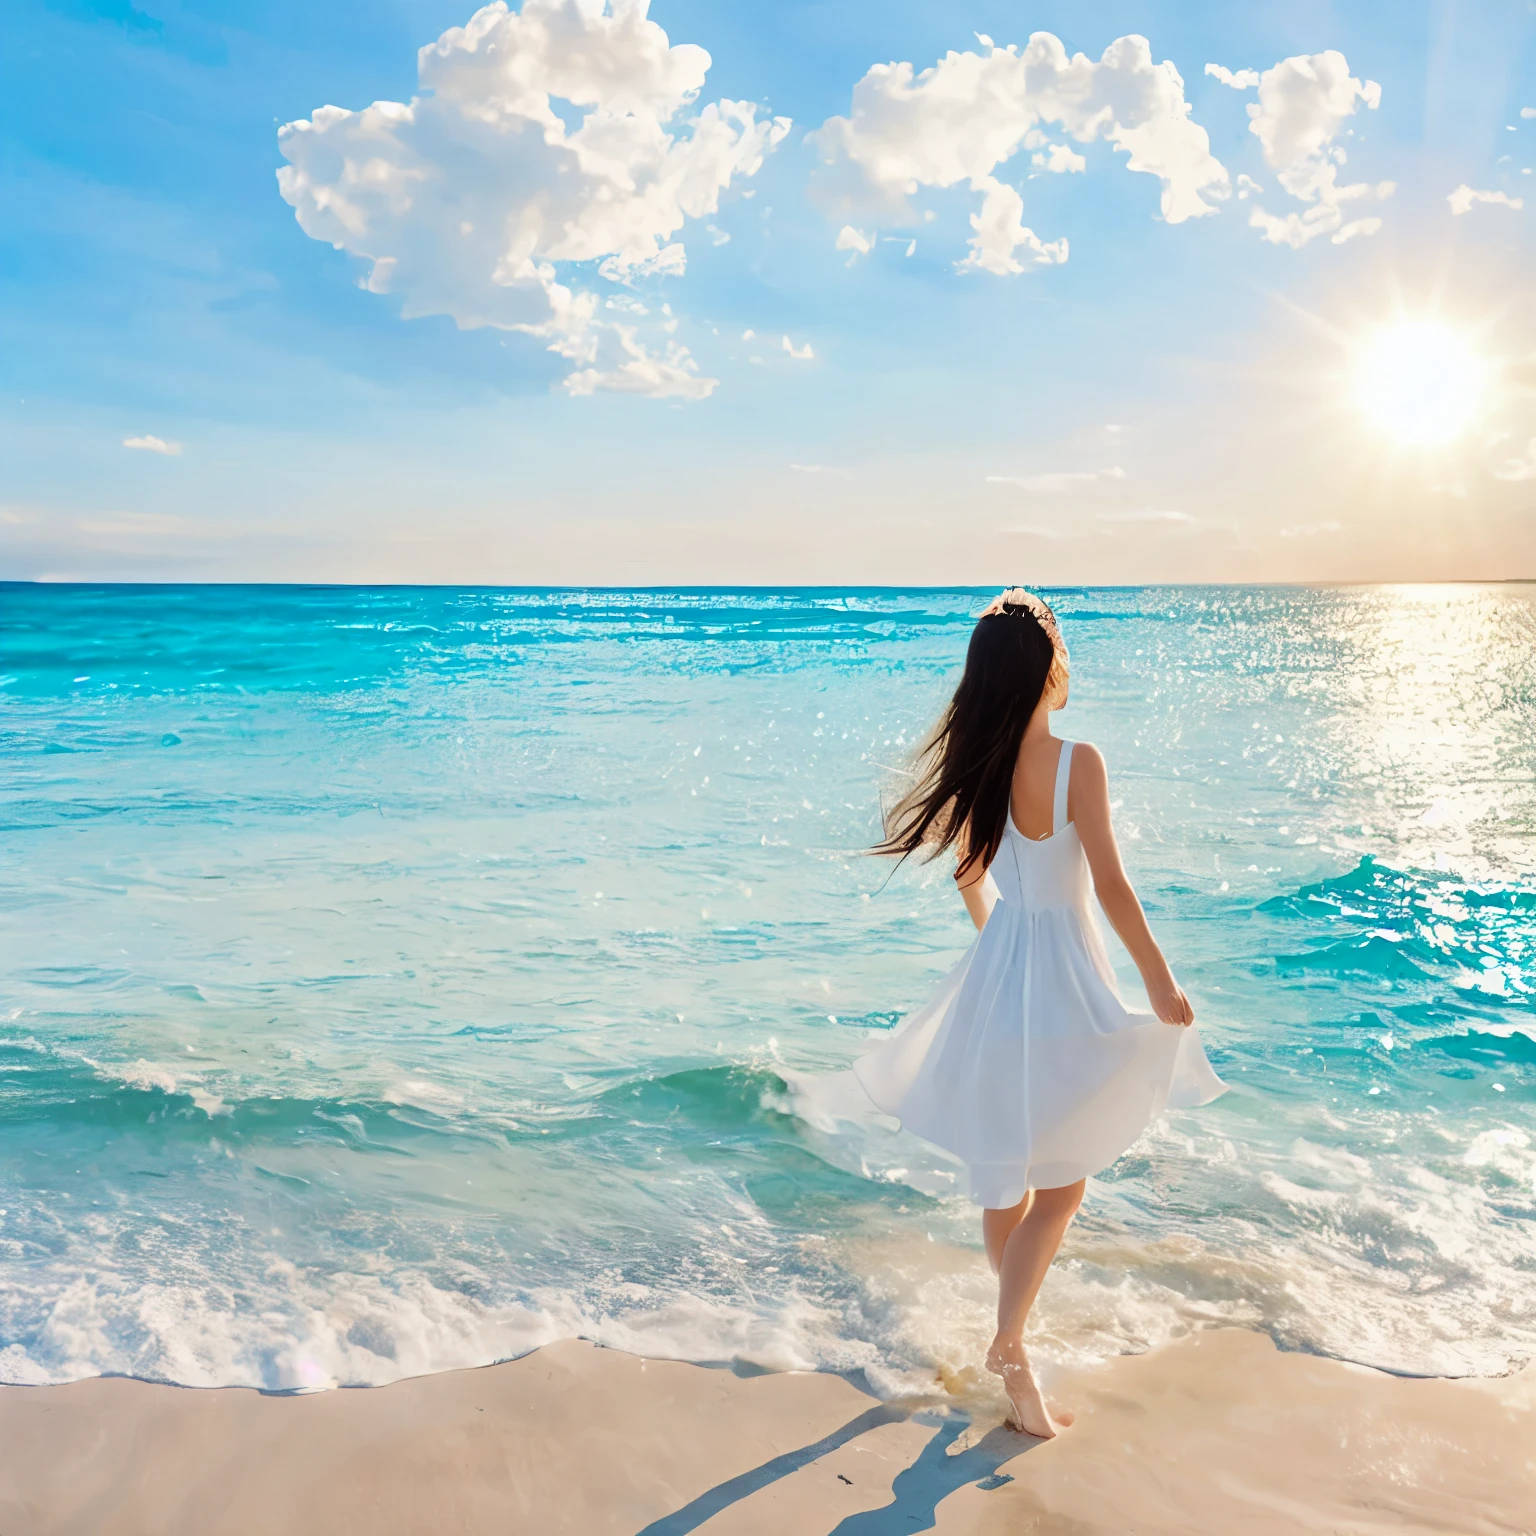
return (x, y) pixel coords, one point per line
(1219, 1433)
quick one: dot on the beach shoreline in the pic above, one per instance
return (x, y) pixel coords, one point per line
(1217, 1432)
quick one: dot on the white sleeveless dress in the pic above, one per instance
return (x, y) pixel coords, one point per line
(1025, 1064)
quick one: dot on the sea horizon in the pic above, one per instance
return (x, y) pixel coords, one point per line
(851, 589)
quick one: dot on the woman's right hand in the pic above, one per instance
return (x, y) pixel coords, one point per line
(1168, 1000)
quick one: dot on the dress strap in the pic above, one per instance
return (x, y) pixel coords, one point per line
(1063, 777)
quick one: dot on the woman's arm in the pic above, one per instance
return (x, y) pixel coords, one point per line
(974, 891)
(1089, 791)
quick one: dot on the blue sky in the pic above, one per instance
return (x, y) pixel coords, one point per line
(1178, 398)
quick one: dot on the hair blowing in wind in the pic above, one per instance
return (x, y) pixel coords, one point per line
(964, 769)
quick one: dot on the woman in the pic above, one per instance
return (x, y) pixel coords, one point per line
(1026, 1064)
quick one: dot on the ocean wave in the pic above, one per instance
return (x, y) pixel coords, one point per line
(312, 1331)
(1417, 926)
(1487, 1048)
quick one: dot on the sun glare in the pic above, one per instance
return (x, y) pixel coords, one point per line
(1421, 382)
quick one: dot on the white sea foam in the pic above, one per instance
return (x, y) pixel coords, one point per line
(308, 1333)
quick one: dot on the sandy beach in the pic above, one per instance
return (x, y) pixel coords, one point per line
(1218, 1433)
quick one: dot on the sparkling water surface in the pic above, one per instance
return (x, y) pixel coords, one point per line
(394, 980)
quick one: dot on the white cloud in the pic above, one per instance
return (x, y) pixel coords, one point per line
(1303, 102)
(1033, 530)
(800, 354)
(1239, 80)
(1000, 231)
(1528, 111)
(1462, 199)
(471, 198)
(1067, 480)
(152, 444)
(631, 368)
(1246, 186)
(961, 119)
(1521, 468)
(1356, 227)
(1146, 515)
(1311, 530)
(855, 242)
(1059, 158)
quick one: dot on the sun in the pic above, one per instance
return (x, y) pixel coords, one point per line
(1421, 382)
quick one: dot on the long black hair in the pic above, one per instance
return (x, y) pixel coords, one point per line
(963, 771)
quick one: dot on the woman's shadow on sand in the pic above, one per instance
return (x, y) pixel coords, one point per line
(916, 1491)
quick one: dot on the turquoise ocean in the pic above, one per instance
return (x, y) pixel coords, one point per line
(394, 980)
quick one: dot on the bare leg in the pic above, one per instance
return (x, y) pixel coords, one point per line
(1031, 1235)
(997, 1227)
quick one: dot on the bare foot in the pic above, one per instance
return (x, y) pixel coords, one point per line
(1006, 1358)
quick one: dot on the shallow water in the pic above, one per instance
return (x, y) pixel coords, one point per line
(394, 980)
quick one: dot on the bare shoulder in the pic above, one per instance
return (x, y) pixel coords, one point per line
(1087, 764)
(1087, 778)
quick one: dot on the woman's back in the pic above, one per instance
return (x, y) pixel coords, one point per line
(1034, 874)
(1032, 798)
